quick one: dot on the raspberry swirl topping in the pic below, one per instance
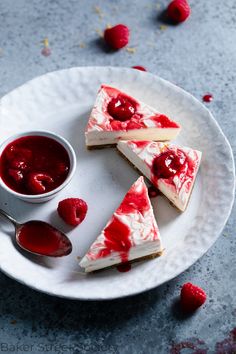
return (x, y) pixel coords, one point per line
(168, 163)
(121, 108)
(116, 111)
(131, 224)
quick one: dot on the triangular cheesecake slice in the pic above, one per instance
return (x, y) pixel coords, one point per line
(116, 116)
(130, 234)
(171, 168)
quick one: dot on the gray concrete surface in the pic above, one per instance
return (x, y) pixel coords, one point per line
(200, 56)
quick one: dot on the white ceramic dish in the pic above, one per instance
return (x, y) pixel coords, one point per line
(61, 102)
(40, 198)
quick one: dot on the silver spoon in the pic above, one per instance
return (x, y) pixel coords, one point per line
(40, 238)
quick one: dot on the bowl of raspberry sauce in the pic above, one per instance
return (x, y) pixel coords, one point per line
(36, 165)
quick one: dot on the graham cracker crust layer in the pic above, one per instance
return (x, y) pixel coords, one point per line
(104, 146)
(96, 147)
(144, 258)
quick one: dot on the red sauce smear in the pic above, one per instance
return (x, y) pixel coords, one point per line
(207, 98)
(123, 111)
(140, 144)
(164, 122)
(139, 67)
(116, 239)
(228, 345)
(153, 192)
(124, 267)
(42, 238)
(117, 234)
(197, 346)
(135, 200)
(133, 123)
(34, 165)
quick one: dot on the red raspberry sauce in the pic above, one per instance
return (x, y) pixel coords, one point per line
(141, 144)
(207, 98)
(139, 67)
(168, 164)
(153, 192)
(121, 108)
(117, 239)
(39, 237)
(164, 122)
(123, 267)
(133, 202)
(34, 165)
(124, 113)
(117, 233)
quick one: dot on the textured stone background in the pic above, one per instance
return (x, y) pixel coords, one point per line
(200, 56)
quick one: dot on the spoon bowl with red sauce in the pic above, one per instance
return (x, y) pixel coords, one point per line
(35, 166)
(40, 238)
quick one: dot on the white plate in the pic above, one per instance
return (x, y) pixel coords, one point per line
(61, 102)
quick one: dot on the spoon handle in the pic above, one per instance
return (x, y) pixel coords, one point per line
(9, 217)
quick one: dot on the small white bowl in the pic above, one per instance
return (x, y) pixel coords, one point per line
(40, 198)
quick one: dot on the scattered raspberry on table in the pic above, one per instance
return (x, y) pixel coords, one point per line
(178, 11)
(72, 210)
(117, 37)
(191, 297)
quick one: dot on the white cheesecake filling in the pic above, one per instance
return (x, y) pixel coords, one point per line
(100, 137)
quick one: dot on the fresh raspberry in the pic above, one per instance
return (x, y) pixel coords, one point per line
(19, 164)
(191, 297)
(37, 182)
(139, 67)
(178, 10)
(72, 210)
(117, 37)
(17, 175)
